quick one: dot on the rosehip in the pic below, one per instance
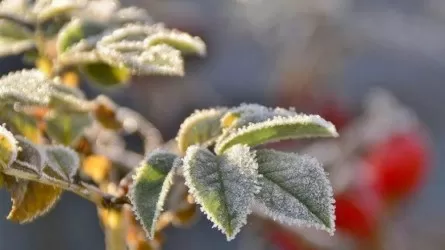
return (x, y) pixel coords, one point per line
(399, 165)
(357, 212)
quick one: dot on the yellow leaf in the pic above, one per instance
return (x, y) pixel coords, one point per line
(8, 148)
(105, 113)
(30, 199)
(97, 167)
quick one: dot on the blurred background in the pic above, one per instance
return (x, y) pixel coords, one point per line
(374, 68)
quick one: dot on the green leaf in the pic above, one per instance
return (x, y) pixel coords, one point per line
(30, 199)
(224, 185)
(29, 162)
(14, 38)
(8, 148)
(152, 182)
(201, 127)
(276, 129)
(74, 32)
(67, 128)
(295, 190)
(62, 163)
(105, 75)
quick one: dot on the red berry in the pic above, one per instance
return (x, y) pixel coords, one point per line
(333, 112)
(357, 212)
(399, 165)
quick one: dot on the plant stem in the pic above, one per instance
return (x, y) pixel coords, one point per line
(81, 188)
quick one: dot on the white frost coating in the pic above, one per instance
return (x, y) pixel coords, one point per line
(152, 182)
(148, 49)
(295, 190)
(25, 86)
(205, 122)
(297, 120)
(62, 160)
(224, 186)
(12, 143)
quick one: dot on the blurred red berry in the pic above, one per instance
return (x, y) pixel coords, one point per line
(357, 212)
(399, 165)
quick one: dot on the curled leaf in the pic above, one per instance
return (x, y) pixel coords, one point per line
(152, 182)
(200, 127)
(295, 190)
(30, 199)
(276, 129)
(105, 75)
(8, 148)
(223, 185)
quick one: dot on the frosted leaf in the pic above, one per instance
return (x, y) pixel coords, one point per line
(32, 87)
(66, 128)
(295, 190)
(224, 185)
(152, 182)
(62, 163)
(8, 148)
(29, 162)
(26, 86)
(14, 38)
(148, 49)
(276, 129)
(251, 113)
(30, 199)
(74, 35)
(201, 127)
(53, 8)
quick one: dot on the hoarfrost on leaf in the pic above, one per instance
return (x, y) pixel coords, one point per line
(62, 163)
(295, 190)
(149, 191)
(276, 129)
(224, 185)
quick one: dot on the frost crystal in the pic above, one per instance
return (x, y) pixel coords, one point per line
(224, 185)
(30, 159)
(295, 190)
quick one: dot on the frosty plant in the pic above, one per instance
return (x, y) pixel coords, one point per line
(54, 139)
